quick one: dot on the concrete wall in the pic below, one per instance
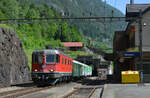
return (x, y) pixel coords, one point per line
(146, 43)
(145, 32)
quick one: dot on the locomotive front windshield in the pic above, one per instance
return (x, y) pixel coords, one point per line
(52, 58)
(37, 58)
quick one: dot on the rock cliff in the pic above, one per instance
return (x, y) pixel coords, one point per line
(13, 61)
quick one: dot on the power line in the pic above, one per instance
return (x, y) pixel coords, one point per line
(55, 19)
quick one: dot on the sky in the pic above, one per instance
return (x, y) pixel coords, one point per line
(121, 4)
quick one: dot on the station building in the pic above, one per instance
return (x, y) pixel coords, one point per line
(126, 43)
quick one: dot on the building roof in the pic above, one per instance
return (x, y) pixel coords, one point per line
(72, 44)
(132, 10)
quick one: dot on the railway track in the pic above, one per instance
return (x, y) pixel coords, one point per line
(24, 91)
(8, 91)
(17, 84)
(90, 85)
(3, 86)
(85, 92)
(13, 94)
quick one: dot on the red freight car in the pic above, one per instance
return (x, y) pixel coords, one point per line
(50, 66)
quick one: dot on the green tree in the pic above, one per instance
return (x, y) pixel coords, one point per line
(10, 8)
(32, 14)
(2, 15)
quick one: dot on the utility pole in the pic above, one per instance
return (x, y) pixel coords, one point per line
(60, 32)
(105, 16)
(131, 1)
(140, 45)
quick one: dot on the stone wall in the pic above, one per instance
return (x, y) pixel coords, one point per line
(13, 61)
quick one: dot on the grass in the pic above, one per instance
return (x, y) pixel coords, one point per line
(6, 26)
(29, 56)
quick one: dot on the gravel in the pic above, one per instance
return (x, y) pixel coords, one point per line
(57, 92)
(62, 90)
(9, 89)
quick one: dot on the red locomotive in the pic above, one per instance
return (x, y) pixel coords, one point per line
(50, 66)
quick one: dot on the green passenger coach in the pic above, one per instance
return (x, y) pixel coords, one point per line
(81, 70)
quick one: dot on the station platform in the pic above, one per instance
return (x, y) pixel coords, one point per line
(126, 91)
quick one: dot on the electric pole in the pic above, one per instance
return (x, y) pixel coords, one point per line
(140, 45)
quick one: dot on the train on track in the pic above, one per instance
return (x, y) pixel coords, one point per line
(50, 66)
(102, 73)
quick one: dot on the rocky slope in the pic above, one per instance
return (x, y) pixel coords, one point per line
(13, 61)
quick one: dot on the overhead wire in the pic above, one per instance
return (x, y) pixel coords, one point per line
(75, 19)
(103, 19)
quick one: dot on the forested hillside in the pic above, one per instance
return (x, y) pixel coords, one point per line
(100, 32)
(40, 34)
(37, 35)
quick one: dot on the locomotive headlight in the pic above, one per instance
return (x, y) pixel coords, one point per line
(43, 66)
(35, 70)
(52, 70)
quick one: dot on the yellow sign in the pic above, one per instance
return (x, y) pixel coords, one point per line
(130, 77)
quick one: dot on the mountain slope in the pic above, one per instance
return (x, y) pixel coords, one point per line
(99, 31)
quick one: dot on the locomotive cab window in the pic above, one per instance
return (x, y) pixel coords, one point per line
(37, 58)
(52, 58)
(57, 58)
